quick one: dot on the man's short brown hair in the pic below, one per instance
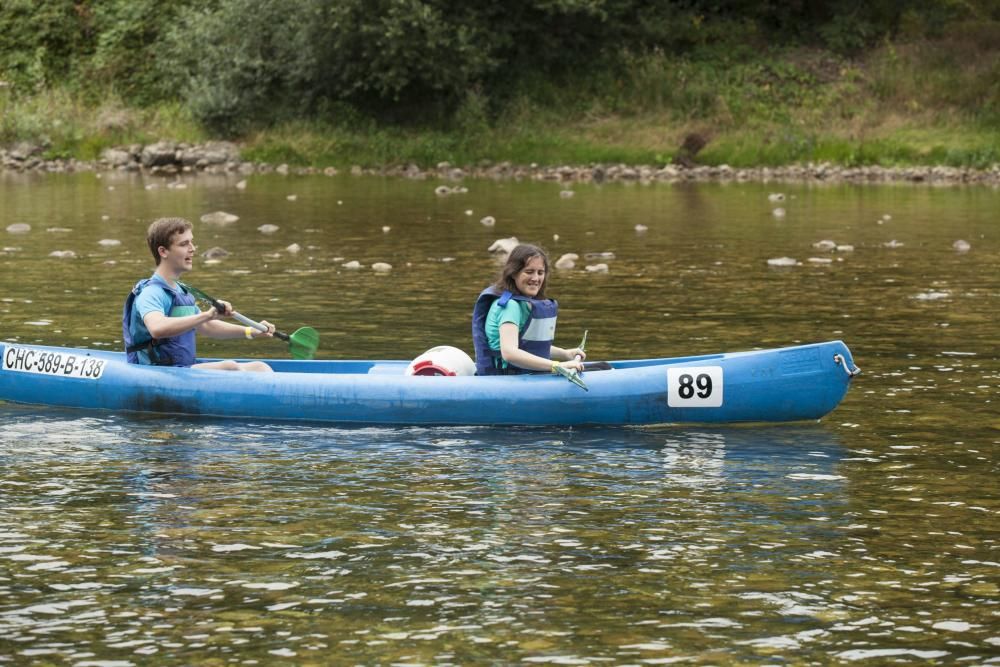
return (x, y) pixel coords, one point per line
(161, 231)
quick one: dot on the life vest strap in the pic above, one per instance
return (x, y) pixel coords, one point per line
(136, 347)
(152, 345)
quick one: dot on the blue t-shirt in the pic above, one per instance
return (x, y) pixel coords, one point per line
(515, 311)
(153, 299)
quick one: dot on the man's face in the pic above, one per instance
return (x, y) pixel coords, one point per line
(179, 257)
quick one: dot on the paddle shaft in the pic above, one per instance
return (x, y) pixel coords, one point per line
(243, 319)
(302, 343)
(574, 375)
(583, 344)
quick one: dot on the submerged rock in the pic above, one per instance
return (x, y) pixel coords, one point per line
(825, 244)
(19, 228)
(353, 264)
(488, 221)
(294, 248)
(932, 296)
(504, 245)
(597, 268)
(215, 253)
(381, 267)
(219, 218)
(961, 246)
(62, 254)
(782, 261)
(268, 229)
(776, 197)
(567, 261)
(109, 243)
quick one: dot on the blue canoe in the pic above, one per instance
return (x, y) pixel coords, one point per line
(786, 384)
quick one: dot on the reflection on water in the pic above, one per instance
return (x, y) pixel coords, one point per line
(870, 536)
(189, 540)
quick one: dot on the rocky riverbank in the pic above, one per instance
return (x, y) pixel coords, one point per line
(169, 159)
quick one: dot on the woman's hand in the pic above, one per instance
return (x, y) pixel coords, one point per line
(576, 352)
(573, 364)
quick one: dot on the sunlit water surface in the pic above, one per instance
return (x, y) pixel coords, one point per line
(871, 536)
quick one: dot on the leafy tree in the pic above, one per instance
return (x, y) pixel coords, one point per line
(41, 39)
(240, 63)
(244, 60)
(127, 54)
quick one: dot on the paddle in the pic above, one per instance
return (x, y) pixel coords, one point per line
(302, 343)
(572, 374)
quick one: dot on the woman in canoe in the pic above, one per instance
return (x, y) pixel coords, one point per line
(514, 324)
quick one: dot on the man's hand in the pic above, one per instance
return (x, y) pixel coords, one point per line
(266, 334)
(227, 308)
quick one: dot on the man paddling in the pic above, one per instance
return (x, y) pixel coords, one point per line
(160, 317)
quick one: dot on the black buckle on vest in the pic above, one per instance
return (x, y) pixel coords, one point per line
(154, 354)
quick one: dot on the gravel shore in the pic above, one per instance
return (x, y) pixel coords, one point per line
(169, 158)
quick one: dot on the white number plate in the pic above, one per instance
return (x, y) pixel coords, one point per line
(694, 387)
(63, 364)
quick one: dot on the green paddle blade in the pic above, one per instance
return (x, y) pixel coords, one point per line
(303, 343)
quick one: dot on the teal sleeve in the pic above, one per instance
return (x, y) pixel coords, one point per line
(152, 299)
(513, 313)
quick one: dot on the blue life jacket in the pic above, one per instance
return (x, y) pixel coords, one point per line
(172, 351)
(535, 336)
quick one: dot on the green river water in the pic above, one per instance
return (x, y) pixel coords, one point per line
(869, 537)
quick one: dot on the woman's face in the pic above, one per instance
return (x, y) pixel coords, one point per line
(531, 278)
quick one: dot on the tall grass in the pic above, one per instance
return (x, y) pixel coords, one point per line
(68, 124)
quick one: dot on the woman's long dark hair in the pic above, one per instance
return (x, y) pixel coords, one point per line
(516, 261)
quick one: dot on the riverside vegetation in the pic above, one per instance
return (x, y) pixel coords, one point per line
(348, 82)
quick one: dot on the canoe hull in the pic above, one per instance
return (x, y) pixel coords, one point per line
(786, 384)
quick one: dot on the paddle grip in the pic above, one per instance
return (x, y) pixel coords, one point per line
(243, 319)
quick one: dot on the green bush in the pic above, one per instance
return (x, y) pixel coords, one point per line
(471, 67)
(41, 41)
(127, 48)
